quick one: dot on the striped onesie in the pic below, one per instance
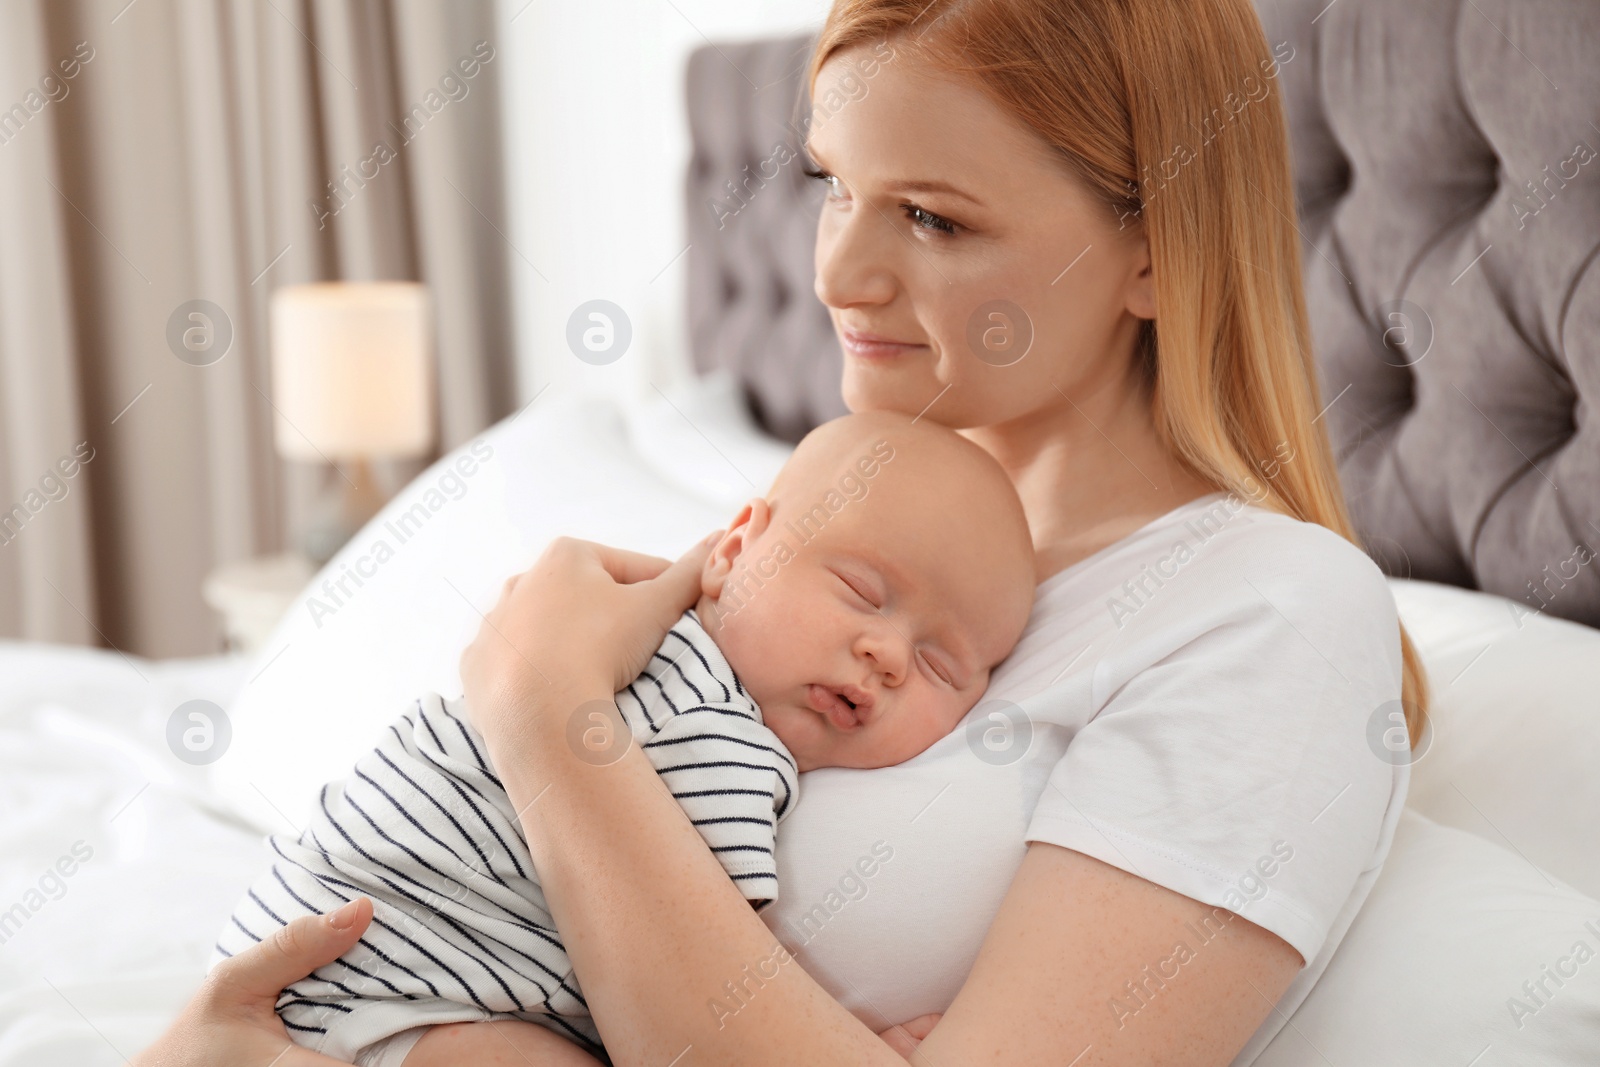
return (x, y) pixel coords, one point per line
(460, 931)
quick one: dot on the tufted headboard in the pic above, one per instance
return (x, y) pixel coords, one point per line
(1447, 166)
(752, 217)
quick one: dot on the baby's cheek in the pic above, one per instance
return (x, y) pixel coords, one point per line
(931, 716)
(956, 707)
(739, 641)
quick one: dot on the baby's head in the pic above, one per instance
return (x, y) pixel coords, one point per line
(864, 601)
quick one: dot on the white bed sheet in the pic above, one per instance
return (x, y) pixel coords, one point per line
(95, 973)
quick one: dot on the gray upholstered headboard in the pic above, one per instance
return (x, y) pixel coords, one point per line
(752, 217)
(1447, 164)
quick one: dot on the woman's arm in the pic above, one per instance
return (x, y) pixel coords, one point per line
(656, 931)
(1073, 965)
(658, 934)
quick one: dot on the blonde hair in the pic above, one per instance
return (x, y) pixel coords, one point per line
(1126, 91)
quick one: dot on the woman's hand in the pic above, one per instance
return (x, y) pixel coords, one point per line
(584, 620)
(231, 1018)
(905, 1037)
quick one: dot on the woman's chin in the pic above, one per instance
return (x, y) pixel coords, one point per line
(874, 389)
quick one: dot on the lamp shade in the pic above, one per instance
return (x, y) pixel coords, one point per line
(352, 370)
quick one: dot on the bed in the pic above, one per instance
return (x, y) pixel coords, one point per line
(1490, 880)
(1493, 881)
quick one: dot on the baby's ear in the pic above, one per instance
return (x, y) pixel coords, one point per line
(746, 527)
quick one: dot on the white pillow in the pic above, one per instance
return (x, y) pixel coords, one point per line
(346, 661)
(1515, 740)
(702, 438)
(1432, 969)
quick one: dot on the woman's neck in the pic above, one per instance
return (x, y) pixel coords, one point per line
(1090, 471)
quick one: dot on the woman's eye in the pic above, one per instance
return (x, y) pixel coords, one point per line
(922, 219)
(822, 176)
(927, 220)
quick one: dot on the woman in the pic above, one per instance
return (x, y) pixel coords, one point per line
(1162, 867)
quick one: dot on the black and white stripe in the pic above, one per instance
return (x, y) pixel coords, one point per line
(424, 828)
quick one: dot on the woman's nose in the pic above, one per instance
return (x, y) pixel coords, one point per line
(854, 259)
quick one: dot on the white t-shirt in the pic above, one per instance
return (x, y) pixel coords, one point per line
(1196, 704)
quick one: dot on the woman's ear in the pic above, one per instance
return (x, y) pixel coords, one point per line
(1141, 292)
(746, 528)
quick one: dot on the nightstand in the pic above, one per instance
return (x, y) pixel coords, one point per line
(253, 594)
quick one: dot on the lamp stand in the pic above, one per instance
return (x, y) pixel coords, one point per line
(347, 500)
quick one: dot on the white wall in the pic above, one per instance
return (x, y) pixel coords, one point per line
(596, 146)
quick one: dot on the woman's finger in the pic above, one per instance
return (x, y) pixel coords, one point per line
(905, 1037)
(627, 567)
(678, 586)
(899, 1041)
(263, 970)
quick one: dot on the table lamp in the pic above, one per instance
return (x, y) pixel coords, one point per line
(352, 369)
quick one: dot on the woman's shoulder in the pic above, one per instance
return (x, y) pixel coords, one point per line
(1304, 562)
(1219, 587)
(1246, 593)
(1221, 550)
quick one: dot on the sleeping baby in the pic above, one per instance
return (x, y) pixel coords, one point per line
(848, 618)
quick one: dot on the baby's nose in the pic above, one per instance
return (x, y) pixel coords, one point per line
(889, 656)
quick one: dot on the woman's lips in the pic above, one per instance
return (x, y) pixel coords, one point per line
(833, 706)
(875, 346)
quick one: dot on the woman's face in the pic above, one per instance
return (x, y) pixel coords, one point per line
(954, 230)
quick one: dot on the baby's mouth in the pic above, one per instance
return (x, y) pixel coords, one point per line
(830, 702)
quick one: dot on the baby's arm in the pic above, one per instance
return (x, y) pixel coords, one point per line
(735, 781)
(496, 1043)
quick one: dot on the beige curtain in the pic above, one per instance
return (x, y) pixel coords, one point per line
(158, 152)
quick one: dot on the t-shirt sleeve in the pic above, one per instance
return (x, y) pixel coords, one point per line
(1230, 757)
(732, 776)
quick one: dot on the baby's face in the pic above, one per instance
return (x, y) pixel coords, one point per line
(865, 633)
